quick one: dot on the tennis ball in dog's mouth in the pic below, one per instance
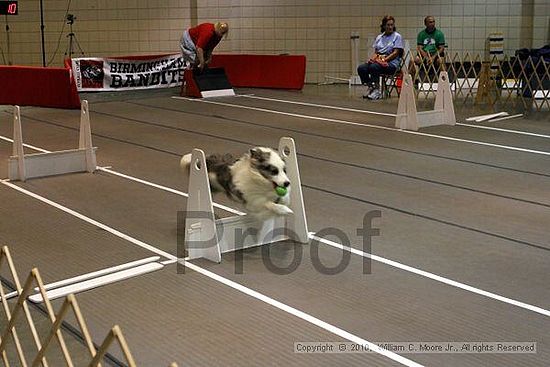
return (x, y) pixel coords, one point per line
(280, 190)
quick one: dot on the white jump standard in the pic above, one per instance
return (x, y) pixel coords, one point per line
(206, 237)
(443, 113)
(22, 166)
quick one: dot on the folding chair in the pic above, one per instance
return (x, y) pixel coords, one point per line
(390, 83)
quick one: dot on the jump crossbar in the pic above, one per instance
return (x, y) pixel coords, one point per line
(23, 166)
(443, 113)
(206, 237)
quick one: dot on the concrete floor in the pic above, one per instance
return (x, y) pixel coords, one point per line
(463, 254)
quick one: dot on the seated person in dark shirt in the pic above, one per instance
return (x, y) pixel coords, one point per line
(430, 46)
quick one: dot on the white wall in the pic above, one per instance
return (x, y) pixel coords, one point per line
(319, 29)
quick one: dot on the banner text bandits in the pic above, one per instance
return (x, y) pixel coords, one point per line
(125, 74)
(146, 79)
(143, 72)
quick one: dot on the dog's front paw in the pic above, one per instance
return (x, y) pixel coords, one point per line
(282, 209)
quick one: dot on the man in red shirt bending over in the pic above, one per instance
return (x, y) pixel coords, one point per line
(198, 43)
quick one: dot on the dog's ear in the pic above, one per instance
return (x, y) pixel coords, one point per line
(256, 154)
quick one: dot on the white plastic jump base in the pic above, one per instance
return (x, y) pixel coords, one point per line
(482, 118)
(217, 93)
(443, 113)
(352, 80)
(23, 166)
(206, 237)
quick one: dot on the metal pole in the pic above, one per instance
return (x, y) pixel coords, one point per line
(8, 40)
(42, 33)
(354, 78)
(71, 35)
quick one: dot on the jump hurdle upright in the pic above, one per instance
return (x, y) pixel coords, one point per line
(206, 237)
(443, 113)
(23, 166)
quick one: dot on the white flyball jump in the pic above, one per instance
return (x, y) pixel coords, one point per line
(206, 237)
(23, 166)
(443, 113)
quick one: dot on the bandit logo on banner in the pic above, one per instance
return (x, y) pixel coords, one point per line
(99, 74)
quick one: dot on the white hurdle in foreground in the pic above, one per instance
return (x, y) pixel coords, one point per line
(19, 317)
(22, 166)
(206, 237)
(443, 113)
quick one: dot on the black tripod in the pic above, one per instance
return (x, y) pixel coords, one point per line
(71, 49)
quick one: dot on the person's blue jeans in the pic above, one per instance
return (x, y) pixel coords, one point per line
(370, 72)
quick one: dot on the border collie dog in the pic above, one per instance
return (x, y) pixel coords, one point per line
(257, 179)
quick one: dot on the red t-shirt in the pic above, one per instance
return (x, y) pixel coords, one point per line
(204, 36)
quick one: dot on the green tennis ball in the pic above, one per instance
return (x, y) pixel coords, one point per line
(280, 190)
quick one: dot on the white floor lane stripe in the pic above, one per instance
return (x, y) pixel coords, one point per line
(287, 113)
(304, 316)
(433, 276)
(105, 169)
(392, 115)
(507, 147)
(9, 140)
(321, 105)
(519, 132)
(257, 295)
(87, 219)
(169, 189)
(361, 253)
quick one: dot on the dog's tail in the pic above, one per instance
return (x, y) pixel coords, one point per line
(185, 162)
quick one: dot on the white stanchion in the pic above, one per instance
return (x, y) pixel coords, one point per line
(354, 78)
(85, 137)
(443, 113)
(206, 237)
(23, 166)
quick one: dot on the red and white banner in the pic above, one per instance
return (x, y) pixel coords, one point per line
(108, 74)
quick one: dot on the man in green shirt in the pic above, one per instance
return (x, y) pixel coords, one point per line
(430, 45)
